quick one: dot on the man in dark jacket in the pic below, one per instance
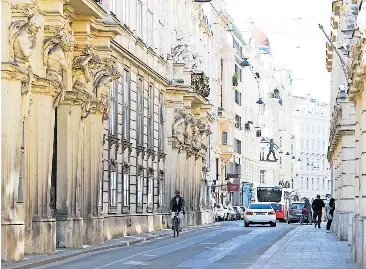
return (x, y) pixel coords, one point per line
(177, 205)
(317, 206)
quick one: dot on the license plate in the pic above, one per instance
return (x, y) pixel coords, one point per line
(259, 213)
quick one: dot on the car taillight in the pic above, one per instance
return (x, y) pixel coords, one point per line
(271, 213)
(249, 213)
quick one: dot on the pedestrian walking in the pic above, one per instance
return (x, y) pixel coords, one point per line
(308, 210)
(317, 207)
(330, 212)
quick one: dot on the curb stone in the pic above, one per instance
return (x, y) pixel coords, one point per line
(95, 248)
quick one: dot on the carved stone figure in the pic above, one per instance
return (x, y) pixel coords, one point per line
(82, 73)
(101, 83)
(22, 39)
(55, 58)
(205, 132)
(179, 125)
(196, 136)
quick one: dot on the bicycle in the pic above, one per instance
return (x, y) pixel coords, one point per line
(175, 224)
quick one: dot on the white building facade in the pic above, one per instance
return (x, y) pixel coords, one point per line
(310, 121)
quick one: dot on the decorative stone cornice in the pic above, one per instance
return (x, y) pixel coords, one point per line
(126, 167)
(161, 155)
(140, 170)
(151, 152)
(150, 172)
(140, 149)
(161, 174)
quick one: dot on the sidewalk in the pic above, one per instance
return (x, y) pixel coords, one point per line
(307, 247)
(34, 260)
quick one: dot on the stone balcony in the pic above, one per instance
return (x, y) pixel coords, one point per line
(226, 152)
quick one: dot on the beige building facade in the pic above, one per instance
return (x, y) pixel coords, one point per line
(346, 147)
(105, 123)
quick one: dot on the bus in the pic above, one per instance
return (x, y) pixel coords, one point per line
(274, 195)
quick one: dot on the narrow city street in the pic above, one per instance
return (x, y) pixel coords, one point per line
(228, 245)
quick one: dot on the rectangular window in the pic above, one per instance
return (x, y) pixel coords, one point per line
(161, 122)
(126, 189)
(126, 105)
(237, 146)
(140, 112)
(312, 184)
(139, 19)
(261, 176)
(150, 192)
(126, 12)
(323, 145)
(113, 188)
(161, 40)
(307, 144)
(323, 184)
(150, 27)
(150, 117)
(224, 138)
(161, 192)
(22, 166)
(140, 189)
(307, 183)
(238, 121)
(113, 7)
(113, 108)
(238, 97)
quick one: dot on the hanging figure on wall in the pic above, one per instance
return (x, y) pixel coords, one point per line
(272, 146)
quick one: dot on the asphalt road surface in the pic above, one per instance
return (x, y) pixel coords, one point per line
(229, 245)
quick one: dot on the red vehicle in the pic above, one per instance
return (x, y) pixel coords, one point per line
(274, 195)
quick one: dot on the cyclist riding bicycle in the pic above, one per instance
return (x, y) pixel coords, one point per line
(177, 205)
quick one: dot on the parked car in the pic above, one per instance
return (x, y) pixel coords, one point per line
(295, 212)
(220, 212)
(231, 213)
(260, 213)
(239, 212)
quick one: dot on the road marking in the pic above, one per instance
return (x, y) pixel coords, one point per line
(145, 252)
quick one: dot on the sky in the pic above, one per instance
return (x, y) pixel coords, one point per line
(296, 41)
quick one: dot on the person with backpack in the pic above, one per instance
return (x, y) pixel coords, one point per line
(317, 207)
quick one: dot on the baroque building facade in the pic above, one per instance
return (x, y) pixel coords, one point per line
(109, 115)
(341, 150)
(346, 145)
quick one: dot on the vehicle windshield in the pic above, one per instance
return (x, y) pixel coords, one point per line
(297, 206)
(269, 194)
(260, 206)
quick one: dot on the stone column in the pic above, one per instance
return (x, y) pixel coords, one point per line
(356, 227)
(92, 148)
(42, 238)
(12, 226)
(69, 222)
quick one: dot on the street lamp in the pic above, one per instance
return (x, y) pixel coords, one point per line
(260, 101)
